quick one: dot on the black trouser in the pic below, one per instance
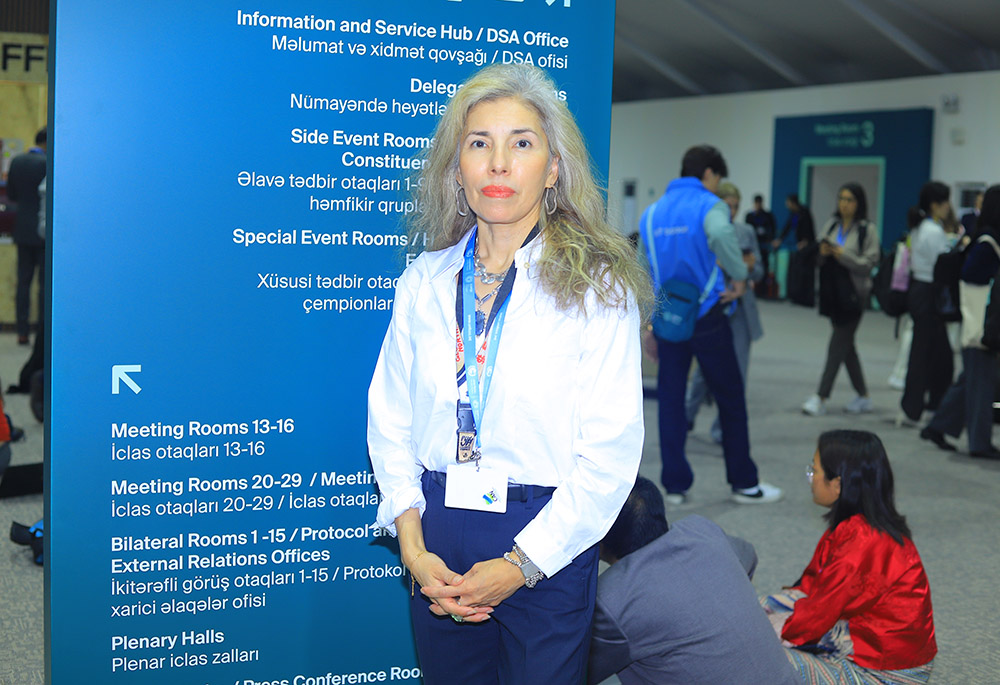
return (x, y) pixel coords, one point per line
(765, 261)
(29, 257)
(801, 281)
(931, 360)
(842, 350)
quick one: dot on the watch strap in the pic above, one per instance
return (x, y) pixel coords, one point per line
(532, 574)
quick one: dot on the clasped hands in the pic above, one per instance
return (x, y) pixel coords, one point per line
(470, 597)
(828, 249)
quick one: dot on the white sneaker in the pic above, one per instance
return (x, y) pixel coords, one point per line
(676, 499)
(814, 406)
(764, 493)
(859, 405)
(897, 383)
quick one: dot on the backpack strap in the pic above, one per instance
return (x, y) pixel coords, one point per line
(993, 243)
(712, 278)
(654, 262)
(862, 232)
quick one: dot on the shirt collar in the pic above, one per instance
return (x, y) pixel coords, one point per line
(453, 258)
(686, 182)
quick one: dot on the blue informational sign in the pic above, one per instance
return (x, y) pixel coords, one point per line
(228, 187)
(897, 142)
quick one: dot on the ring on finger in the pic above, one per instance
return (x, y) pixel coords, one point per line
(457, 619)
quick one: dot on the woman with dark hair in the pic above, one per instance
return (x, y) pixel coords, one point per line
(861, 612)
(930, 369)
(520, 325)
(848, 251)
(969, 402)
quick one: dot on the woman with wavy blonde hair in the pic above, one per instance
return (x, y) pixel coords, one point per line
(520, 327)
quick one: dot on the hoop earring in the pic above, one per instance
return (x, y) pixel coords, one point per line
(550, 210)
(460, 199)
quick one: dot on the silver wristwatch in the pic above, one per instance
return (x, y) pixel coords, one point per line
(532, 574)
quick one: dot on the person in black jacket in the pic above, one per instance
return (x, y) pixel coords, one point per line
(969, 219)
(801, 288)
(800, 220)
(764, 228)
(968, 403)
(929, 372)
(848, 251)
(26, 173)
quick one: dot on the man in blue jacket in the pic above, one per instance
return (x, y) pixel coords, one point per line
(689, 237)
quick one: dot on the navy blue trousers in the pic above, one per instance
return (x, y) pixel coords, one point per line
(712, 346)
(541, 635)
(969, 402)
(29, 258)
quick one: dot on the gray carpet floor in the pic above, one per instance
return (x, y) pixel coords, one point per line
(950, 500)
(21, 586)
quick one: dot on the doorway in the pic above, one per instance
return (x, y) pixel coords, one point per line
(822, 177)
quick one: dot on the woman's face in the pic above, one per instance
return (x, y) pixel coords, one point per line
(825, 492)
(847, 204)
(504, 164)
(940, 210)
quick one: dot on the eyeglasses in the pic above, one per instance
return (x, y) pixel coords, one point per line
(809, 473)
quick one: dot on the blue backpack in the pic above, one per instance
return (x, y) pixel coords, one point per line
(678, 301)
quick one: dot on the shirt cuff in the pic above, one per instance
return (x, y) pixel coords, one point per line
(390, 508)
(542, 552)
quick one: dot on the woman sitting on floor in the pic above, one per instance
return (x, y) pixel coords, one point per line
(861, 612)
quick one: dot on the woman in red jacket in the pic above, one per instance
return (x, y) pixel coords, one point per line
(861, 612)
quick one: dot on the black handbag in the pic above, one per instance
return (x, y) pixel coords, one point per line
(801, 278)
(838, 298)
(947, 272)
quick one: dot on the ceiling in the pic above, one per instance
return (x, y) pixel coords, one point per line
(681, 48)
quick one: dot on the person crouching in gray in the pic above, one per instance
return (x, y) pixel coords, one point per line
(677, 605)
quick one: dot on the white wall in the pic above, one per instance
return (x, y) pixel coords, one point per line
(649, 138)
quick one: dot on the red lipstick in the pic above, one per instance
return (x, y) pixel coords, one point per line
(497, 191)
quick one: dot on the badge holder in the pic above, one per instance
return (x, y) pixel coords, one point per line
(469, 484)
(467, 451)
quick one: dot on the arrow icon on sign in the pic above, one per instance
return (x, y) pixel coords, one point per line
(119, 375)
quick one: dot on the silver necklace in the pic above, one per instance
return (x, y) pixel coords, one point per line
(481, 311)
(480, 301)
(485, 276)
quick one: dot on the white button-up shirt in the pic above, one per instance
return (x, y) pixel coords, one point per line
(564, 409)
(926, 244)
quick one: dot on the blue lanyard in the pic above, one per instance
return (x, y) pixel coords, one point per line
(476, 398)
(841, 236)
